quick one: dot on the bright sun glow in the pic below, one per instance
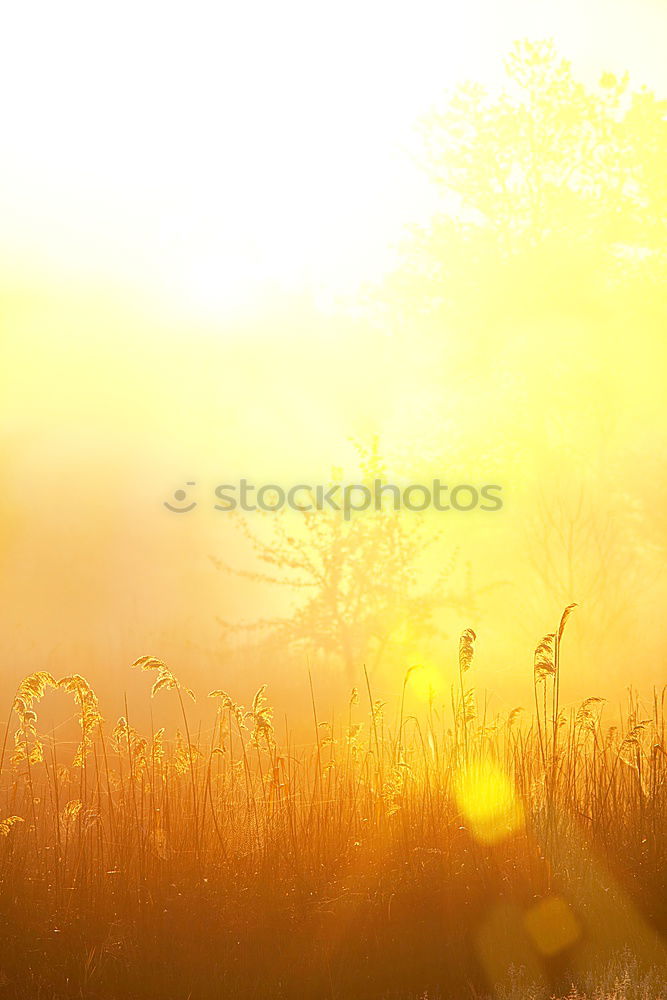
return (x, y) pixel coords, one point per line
(203, 157)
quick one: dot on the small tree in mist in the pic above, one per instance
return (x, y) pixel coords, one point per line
(368, 590)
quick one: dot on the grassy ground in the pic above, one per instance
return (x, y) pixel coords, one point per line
(445, 855)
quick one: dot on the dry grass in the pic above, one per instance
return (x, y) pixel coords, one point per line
(447, 855)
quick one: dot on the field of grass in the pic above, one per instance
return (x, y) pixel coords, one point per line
(444, 855)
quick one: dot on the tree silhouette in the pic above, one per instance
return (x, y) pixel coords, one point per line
(368, 590)
(539, 285)
(553, 194)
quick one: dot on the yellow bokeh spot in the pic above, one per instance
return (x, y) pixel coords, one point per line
(552, 926)
(426, 681)
(489, 804)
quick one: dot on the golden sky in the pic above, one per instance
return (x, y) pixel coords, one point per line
(177, 185)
